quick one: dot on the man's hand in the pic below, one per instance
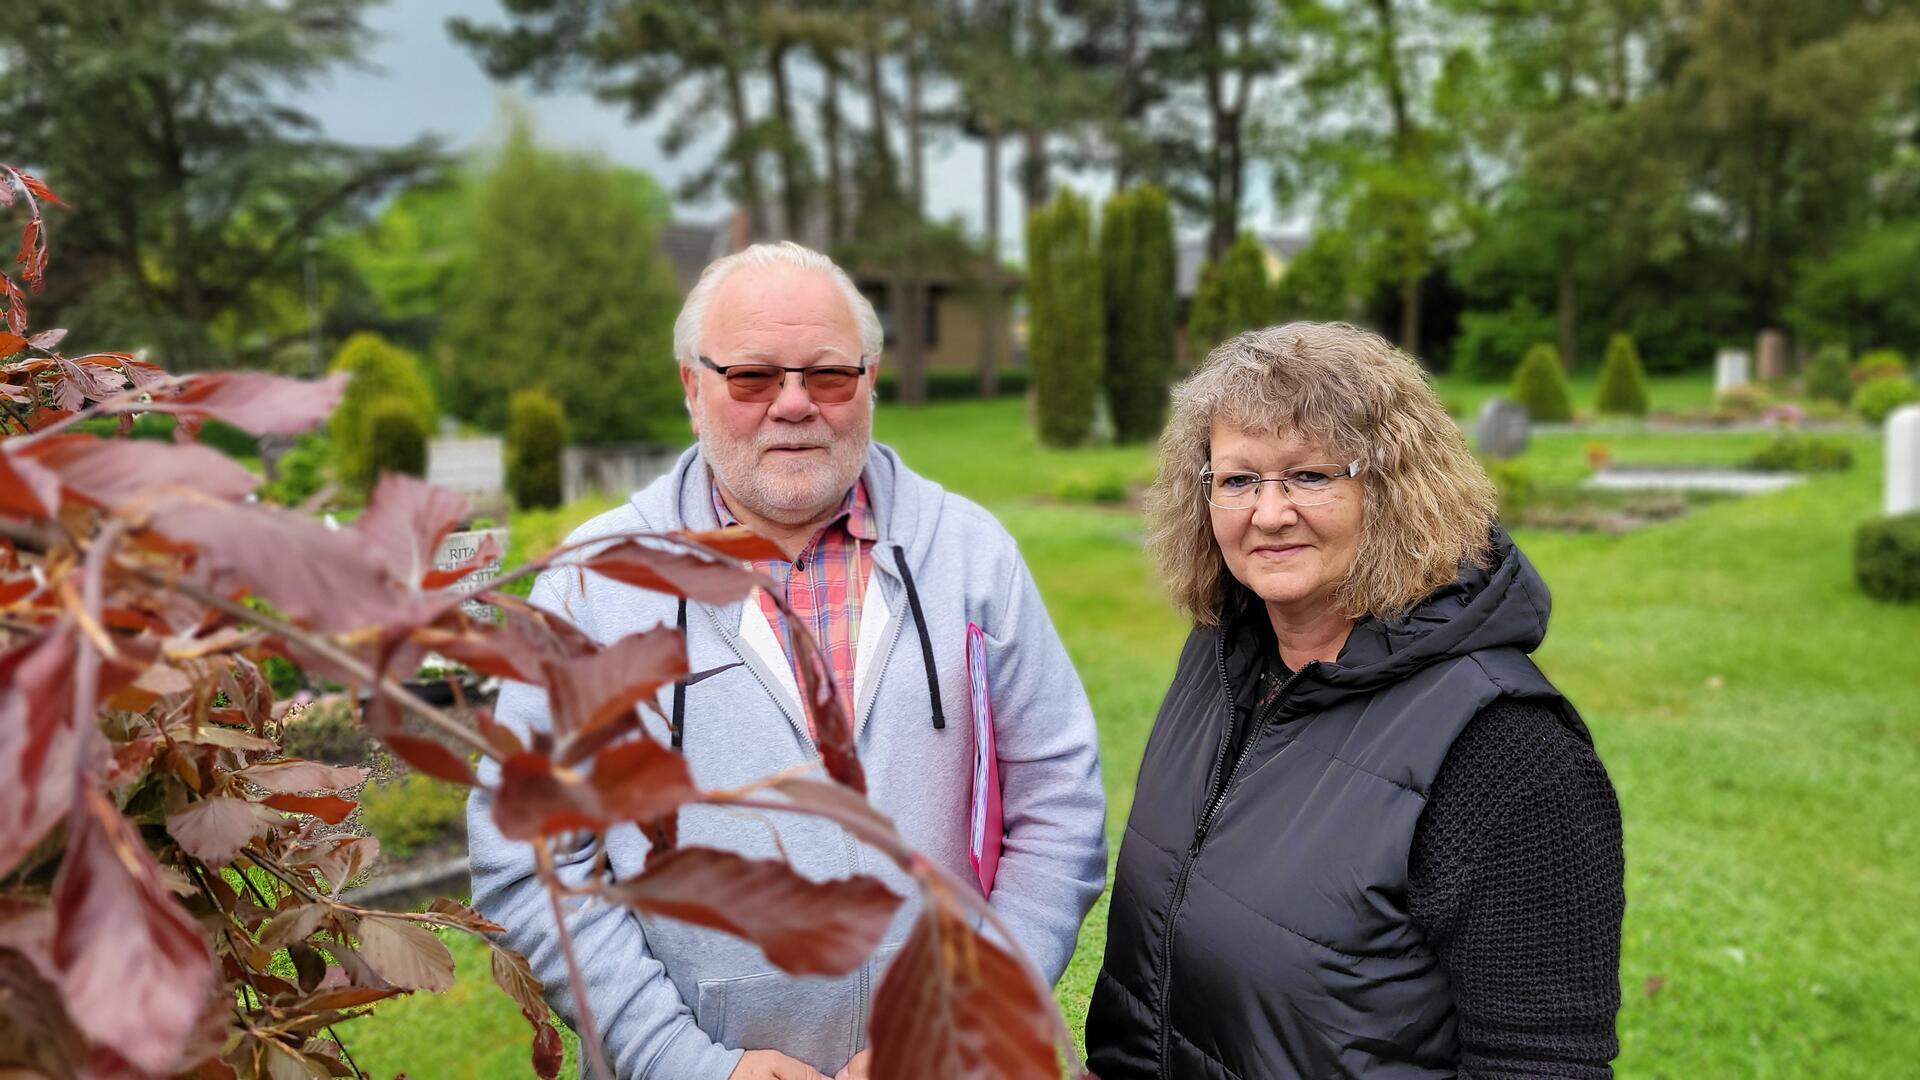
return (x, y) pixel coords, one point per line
(857, 1069)
(773, 1065)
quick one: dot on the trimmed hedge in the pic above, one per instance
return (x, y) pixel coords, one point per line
(1623, 381)
(1541, 386)
(536, 434)
(1066, 339)
(1886, 558)
(1830, 376)
(378, 370)
(1231, 297)
(1136, 274)
(1879, 364)
(396, 440)
(1791, 452)
(947, 385)
(1879, 397)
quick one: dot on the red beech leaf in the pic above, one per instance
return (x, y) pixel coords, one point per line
(113, 472)
(465, 916)
(47, 340)
(291, 925)
(331, 809)
(632, 781)
(40, 748)
(515, 976)
(40, 190)
(405, 520)
(835, 798)
(345, 997)
(737, 542)
(954, 1004)
(591, 691)
(308, 966)
(405, 954)
(11, 343)
(832, 731)
(256, 403)
(673, 572)
(641, 779)
(430, 757)
(30, 1005)
(339, 859)
(805, 927)
(214, 830)
(27, 488)
(504, 741)
(548, 1051)
(486, 553)
(133, 968)
(289, 777)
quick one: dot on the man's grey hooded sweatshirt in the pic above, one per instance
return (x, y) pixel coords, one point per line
(676, 1002)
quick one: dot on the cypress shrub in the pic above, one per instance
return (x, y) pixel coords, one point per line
(1879, 364)
(380, 371)
(1064, 312)
(1829, 377)
(1879, 397)
(536, 433)
(1136, 274)
(1233, 295)
(396, 439)
(1886, 558)
(1541, 385)
(1623, 382)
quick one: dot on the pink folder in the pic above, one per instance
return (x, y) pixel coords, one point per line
(983, 846)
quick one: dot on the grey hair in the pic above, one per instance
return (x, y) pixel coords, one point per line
(693, 313)
(1429, 506)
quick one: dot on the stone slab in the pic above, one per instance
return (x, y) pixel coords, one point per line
(1903, 461)
(1726, 481)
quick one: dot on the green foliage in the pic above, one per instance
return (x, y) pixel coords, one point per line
(1067, 326)
(1743, 402)
(1863, 293)
(1623, 382)
(302, 470)
(283, 676)
(1491, 343)
(1878, 364)
(946, 385)
(380, 372)
(396, 440)
(536, 434)
(1136, 273)
(326, 731)
(412, 812)
(565, 287)
(1876, 399)
(1829, 377)
(1793, 452)
(1233, 295)
(1541, 386)
(1107, 486)
(1886, 558)
(1514, 482)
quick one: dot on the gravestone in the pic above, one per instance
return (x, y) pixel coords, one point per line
(468, 466)
(1903, 460)
(1770, 352)
(461, 548)
(1503, 429)
(1730, 369)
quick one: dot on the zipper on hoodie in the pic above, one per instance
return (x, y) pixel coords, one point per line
(1217, 794)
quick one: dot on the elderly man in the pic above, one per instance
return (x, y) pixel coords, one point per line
(777, 353)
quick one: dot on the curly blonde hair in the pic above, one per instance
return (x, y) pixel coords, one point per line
(1429, 506)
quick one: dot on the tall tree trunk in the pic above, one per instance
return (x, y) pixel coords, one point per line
(913, 355)
(1410, 317)
(1568, 307)
(1036, 164)
(831, 136)
(990, 307)
(746, 163)
(792, 152)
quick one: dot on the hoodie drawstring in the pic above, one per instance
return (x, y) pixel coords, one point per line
(926, 640)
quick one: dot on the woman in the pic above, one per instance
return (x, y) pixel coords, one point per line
(1368, 837)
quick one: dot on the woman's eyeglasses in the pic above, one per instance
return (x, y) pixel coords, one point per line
(827, 384)
(1308, 485)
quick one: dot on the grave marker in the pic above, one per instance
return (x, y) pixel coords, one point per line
(1730, 369)
(1903, 460)
(459, 549)
(1770, 350)
(1503, 429)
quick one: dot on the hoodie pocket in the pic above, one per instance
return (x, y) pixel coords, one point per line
(806, 1018)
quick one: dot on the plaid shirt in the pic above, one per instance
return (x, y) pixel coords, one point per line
(823, 585)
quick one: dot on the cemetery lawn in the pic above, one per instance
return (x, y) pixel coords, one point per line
(1759, 716)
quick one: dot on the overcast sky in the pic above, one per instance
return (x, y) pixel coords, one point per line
(418, 80)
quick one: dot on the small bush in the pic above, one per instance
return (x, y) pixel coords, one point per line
(396, 440)
(1792, 452)
(1879, 364)
(1541, 386)
(412, 812)
(1514, 482)
(536, 434)
(302, 470)
(1829, 377)
(326, 731)
(1092, 487)
(1886, 558)
(1876, 399)
(379, 370)
(1623, 381)
(1743, 402)
(1492, 343)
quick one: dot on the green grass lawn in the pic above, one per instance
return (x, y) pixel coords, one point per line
(1760, 718)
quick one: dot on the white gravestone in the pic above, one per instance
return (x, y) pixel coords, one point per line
(468, 466)
(1903, 460)
(1730, 369)
(461, 548)
(1503, 429)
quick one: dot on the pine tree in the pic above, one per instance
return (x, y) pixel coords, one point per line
(1541, 385)
(1066, 324)
(1623, 381)
(1234, 295)
(1136, 273)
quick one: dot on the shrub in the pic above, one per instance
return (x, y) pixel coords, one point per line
(1623, 382)
(1829, 377)
(1514, 483)
(1541, 386)
(1792, 452)
(1875, 400)
(1878, 364)
(1233, 295)
(396, 439)
(412, 812)
(379, 371)
(1886, 558)
(326, 731)
(1743, 402)
(1063, 291)
(1492, 343)
(536, 434)
(302, 470)
(1092, 487)
(1136, 274)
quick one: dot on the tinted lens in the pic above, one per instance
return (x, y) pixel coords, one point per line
(832, 384)
(753, 383)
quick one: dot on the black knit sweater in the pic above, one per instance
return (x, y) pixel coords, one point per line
(1516, 878)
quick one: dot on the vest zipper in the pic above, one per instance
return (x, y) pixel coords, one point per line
(1257, 724)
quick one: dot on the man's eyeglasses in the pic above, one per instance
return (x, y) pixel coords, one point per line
(1308, 485)
(828, 384)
